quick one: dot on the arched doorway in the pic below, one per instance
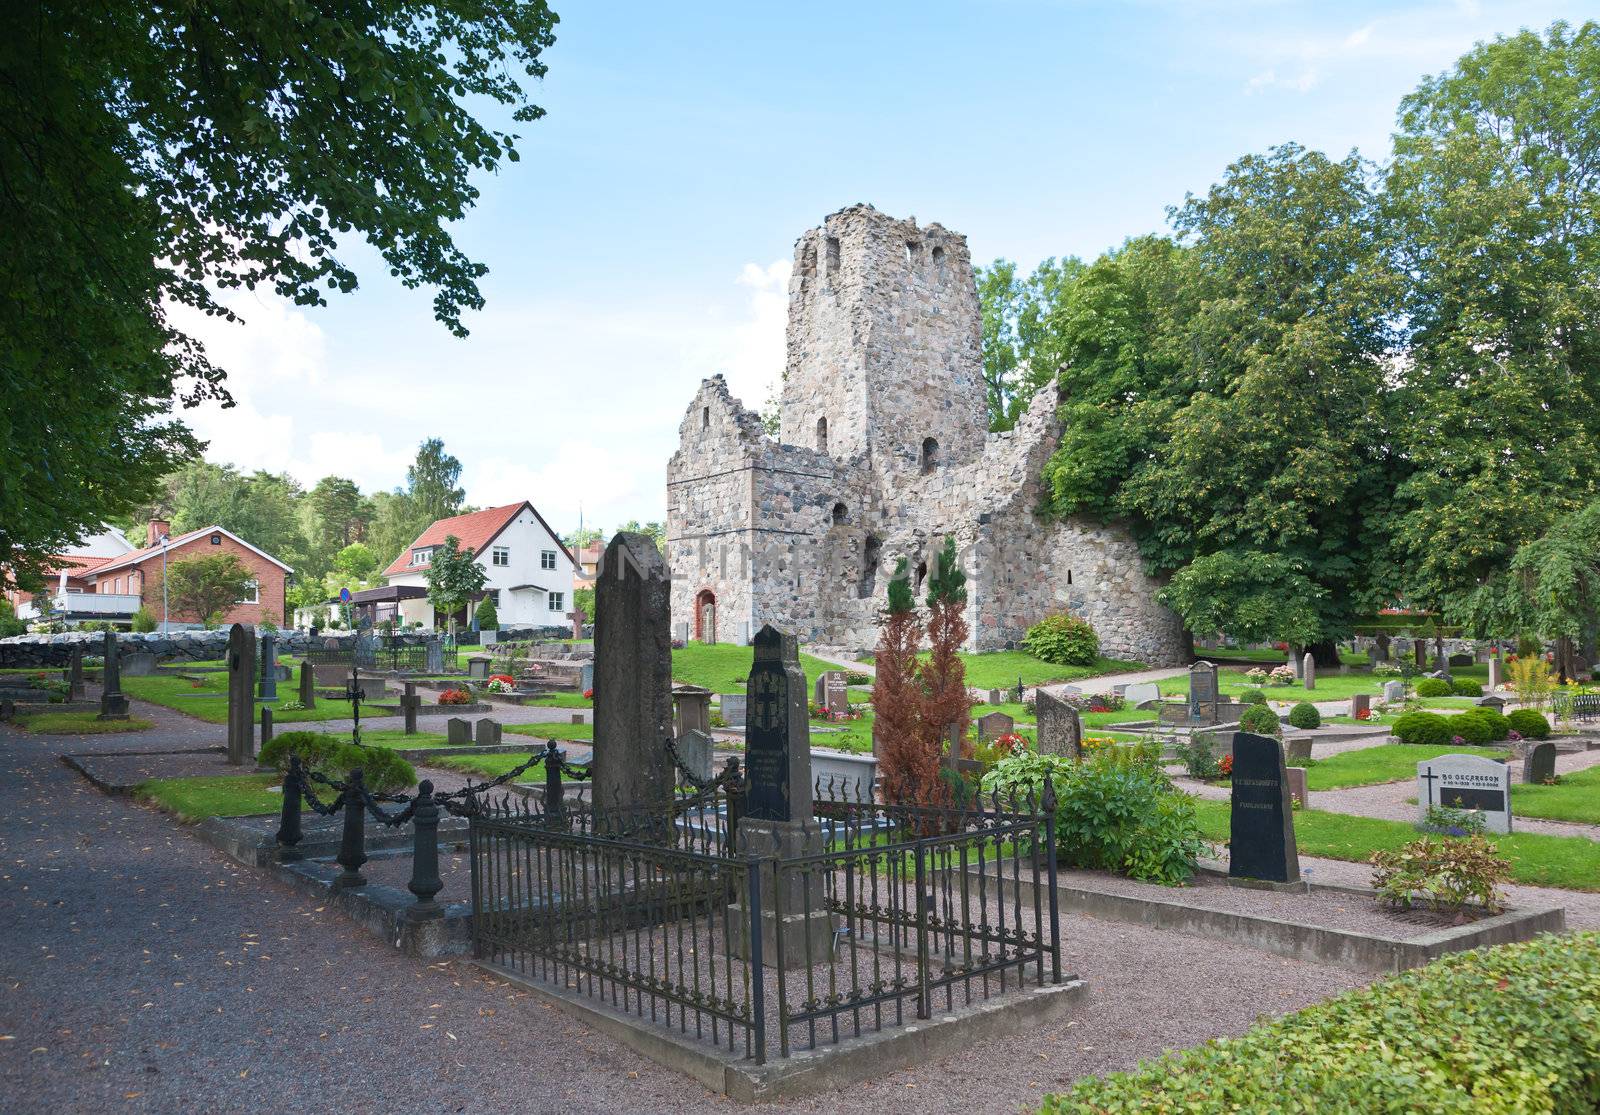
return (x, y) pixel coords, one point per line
(705, 616)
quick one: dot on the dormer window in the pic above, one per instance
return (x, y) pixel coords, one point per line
(422, 555)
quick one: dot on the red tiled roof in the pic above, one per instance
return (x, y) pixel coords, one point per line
(472, 531)
(174, 542)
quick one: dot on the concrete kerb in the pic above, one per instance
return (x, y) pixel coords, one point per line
(867, 1057)
(1362, 952)
(78, 762)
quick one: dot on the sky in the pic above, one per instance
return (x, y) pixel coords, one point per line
(643, 242)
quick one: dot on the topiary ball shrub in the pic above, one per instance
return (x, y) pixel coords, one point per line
(334, 757)
(1499, 727)
(1063, 640)
(1467, 689)
(1427, 729)
(1253, 697)
(1305, 715)
(1261, 720)
(1433, 687)
(1473, 729)
(1529, 724)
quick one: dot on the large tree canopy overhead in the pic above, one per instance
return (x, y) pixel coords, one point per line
(152, 154)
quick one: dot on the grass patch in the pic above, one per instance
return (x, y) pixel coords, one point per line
(1000, 669)
(1393, 762)
(1570, 862)
(723, 667)
(488, 766)
(1575, 798)
(79, 724)
(555, 731)
(562, 700)
(208, 699)
(195, 799)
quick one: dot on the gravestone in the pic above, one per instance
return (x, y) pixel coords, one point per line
(633, 668)
(138, 664)
(241, 694)
(578, 618)
(266, 726)
(777, 818)
(330, 675)
(75, 675)
(1298, 748)
(1420, 651)
(1496, 674)
(1262, 843)
(693, 705)
(113, 703)
(1460, 660)
(1203, 693)
(577, 718)
(1060, 728)
(997, 697)
(833, 693)
(1496, 703)
(1297, 784)
(1137, 694)
(1466, 782)
(733, 709)
(268, 689)
(308, 686)
(1539, 764)
(995, 725)
(1360, 703)
(586, 677)
(8, 709)
(435, 655)
(487, 733)
(458, 729)
(478, 667)
(1394, 692)
(1380, 649)
(1308, 670)
(694, 749)
(409, 704)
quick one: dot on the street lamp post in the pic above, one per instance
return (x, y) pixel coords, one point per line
(164, 584)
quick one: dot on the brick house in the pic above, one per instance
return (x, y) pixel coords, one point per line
(134, 579)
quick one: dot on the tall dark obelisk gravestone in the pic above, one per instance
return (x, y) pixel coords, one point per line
(241, 694)
(633, 677)
(267, 690)
(1262, 844)
(113, 702)
(777, 816)
(75, 675)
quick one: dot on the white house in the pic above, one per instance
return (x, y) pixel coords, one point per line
(529, 569)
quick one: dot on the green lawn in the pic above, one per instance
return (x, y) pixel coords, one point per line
(1000, 669)
(723, 667)
(562, 700)
(1395, 762)
(1575, 798)
(488, 766)
(1572, 862)
(208, 700)
(194, 799)
(1330, 686)
(553, 731)
(79, 724)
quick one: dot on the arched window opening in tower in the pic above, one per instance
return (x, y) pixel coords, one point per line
(840, 514)
(930, 455)
(871, 555)
(822, 435)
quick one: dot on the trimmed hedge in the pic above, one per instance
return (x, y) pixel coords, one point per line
(1063, 640)
(1512, 1028)
(1497, 724)
(1426, 728)
(1473, 729)
(1433, 687)
(1305, 715)
(335, 757)
(1261, 720)
(1529, 724)
(1464, 688)
(1253, 697)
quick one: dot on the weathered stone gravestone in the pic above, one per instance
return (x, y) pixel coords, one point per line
(1202, 693)
(1297, 785)
(138, 664)
(733, 709)
(1420, 649)
(833, 693)
(478, 666)
(458, 729)
(113, 703)
(1137, 694)
(241, 694)
(435, 655)
(308, 686)
(997, 697)
(1360, 703)
(994, 725)
(1496, 703)
(586, 677)
(1298, 748)
(633, 675)
(578, 618)
(267, 688)
(1394, 692)
(1496, 674)
(1466, 782)
(330, 675)
(694, 749)
(1262, 843)
(266, 726)
(1308, 670)
(487, 732)
(777, 818)
(1539, 764)
(1060, 727)
(75, 675)
(693, 707)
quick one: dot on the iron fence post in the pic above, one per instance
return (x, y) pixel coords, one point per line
(353, 845)
(924, 998)
(1048, 803)
(733, 788)
(553, 805)
(289, 832)
(758, 982)
(425, 882)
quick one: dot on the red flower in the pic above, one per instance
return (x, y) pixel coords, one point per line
(588, 694)
(507, 678)
(1227, 766)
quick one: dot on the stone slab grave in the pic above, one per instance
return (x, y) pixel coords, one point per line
(1394, 692)
(1296, 777)
(994, 725)
(1203, 693)
(997, 697)
(832, 691)
(1261, 845)
(733, 709)
(330, 675)
(1060, 728)
(1298, 747)
(1539, 764)
(479, 666)
(691, 710)
(138, 664)
(1137, 694)
(1466, 782)
(487, 732)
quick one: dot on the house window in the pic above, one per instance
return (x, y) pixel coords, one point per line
(494, 596)
(558, 601)
(501, 555)
(547, 559)
(253, 594)
(421, 556)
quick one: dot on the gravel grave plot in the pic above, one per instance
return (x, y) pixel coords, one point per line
(1329, 910)
(129, 770)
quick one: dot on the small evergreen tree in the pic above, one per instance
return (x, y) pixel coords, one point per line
(453, 578)
(945, 703)
(488, 619)
(909, 769)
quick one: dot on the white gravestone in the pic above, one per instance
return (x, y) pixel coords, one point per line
(1136, 695)
(1466, 782)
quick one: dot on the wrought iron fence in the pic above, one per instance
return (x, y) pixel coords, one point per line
(371, 651)
(886, 913)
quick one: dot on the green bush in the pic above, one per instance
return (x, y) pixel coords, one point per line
(143, 621)
(1253, 697)
(10, 625)
(1498, 726)
(1432, 687)
(1465, 688)
(1529, 724)
(1305, 715)
(335, 757)
(488, 619)
(1511, 1028)
(1261, 720)
(1471, 729)
(1428, 729)
(1063, 640)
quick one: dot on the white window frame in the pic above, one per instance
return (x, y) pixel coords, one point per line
(255, 593)
(547, 559)
(422, 555)
(500, 555)
(556, 601)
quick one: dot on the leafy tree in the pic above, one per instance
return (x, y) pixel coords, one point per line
(584, 536)
(583, 600)
(356, 562)
(156, 154)
(202, 589)
(260, 508)
(656, 532)
(454, 578)
(339, 514)
(396, 522)
(1494, 191)
(431, 483)
(10, 625)
(1014, 313)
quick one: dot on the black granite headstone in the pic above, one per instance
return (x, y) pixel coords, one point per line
(778, 772)
(1539, 764)
(1262, 843)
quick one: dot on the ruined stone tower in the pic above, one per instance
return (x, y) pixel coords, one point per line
(884, 450)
